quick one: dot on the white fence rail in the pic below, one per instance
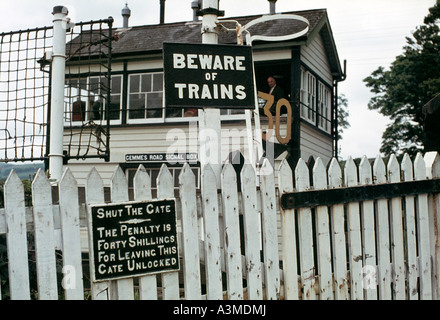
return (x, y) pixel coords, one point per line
(370, 249)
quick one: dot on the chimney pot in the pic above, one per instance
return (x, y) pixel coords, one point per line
(272, 6)
(195, 5)
(162, 11)
(126, 13)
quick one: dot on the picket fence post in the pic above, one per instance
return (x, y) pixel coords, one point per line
(423, 232)
(44, 237)
(410, 221)
(323, 235)
(190, 245)
(269, 231)
(432, 162)
(70, 226)
(214, 289)
(232, 233)
(383, 239)
(290, 265)
(305, 232)
(251, 221)
(165, 190)
(338, 235)
(354, 234)
(369, 280)
(16, 239)
(396, 221)
(119, 193)
(142, 192)
(95, 195)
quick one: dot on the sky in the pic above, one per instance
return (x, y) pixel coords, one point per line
(368, 34)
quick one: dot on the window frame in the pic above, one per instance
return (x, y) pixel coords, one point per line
(324, 107)
(164, 119)
(68, 100)
(319, 116)
(308, 96)
(143, 120)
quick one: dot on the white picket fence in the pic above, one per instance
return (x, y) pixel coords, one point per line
(374, 249)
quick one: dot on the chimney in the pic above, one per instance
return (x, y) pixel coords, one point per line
(162, 11)
(126, 13)
(195, 6)
(272, 6)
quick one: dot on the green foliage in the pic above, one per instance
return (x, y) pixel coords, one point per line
(412, 80)
(3, 267)
(342, 115)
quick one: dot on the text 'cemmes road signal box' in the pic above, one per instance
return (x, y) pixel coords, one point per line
(208, 75)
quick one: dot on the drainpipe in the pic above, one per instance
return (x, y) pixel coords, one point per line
(57, 93)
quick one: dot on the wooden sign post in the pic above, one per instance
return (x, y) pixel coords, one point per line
(210, 151)
(209, 77)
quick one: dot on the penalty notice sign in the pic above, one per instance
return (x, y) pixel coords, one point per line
(133, 239)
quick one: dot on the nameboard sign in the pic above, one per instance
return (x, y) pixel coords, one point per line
(171, 158)
(133, 239)
(208, 75)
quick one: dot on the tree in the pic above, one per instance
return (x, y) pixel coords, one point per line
(412, 80)
(342, 115)
(343, 123)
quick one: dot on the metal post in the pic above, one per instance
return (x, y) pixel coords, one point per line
(210, 124)
(57, 93)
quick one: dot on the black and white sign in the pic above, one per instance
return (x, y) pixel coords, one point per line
(133, 239)
(171, 158)
(208, 75)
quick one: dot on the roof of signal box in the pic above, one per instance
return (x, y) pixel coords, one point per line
(149, 39)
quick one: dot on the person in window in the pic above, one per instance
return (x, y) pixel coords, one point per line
(190, 112)
(276, 91)
(78, 110)
(97, 109)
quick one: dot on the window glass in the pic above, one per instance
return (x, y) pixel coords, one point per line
(146, 83)
(145, 96)
(116, 85)
(308, 96)
(324, 105)
(85, 98)
(137, 106)
(158, 82)
(134, 83)
(154, 105)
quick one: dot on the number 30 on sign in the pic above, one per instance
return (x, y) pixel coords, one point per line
(282, 102)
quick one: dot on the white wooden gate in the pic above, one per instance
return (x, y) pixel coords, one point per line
(372, 249)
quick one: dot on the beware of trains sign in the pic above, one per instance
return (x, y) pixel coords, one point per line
(208, 75)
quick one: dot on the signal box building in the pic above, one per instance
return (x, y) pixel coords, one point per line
(143, 131)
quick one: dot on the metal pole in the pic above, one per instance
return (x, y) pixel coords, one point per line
(209, 123)
(57, 93)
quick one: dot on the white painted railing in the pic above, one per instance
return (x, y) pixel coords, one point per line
(371, 249)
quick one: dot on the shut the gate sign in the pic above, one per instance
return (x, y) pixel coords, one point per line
(133, 239)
